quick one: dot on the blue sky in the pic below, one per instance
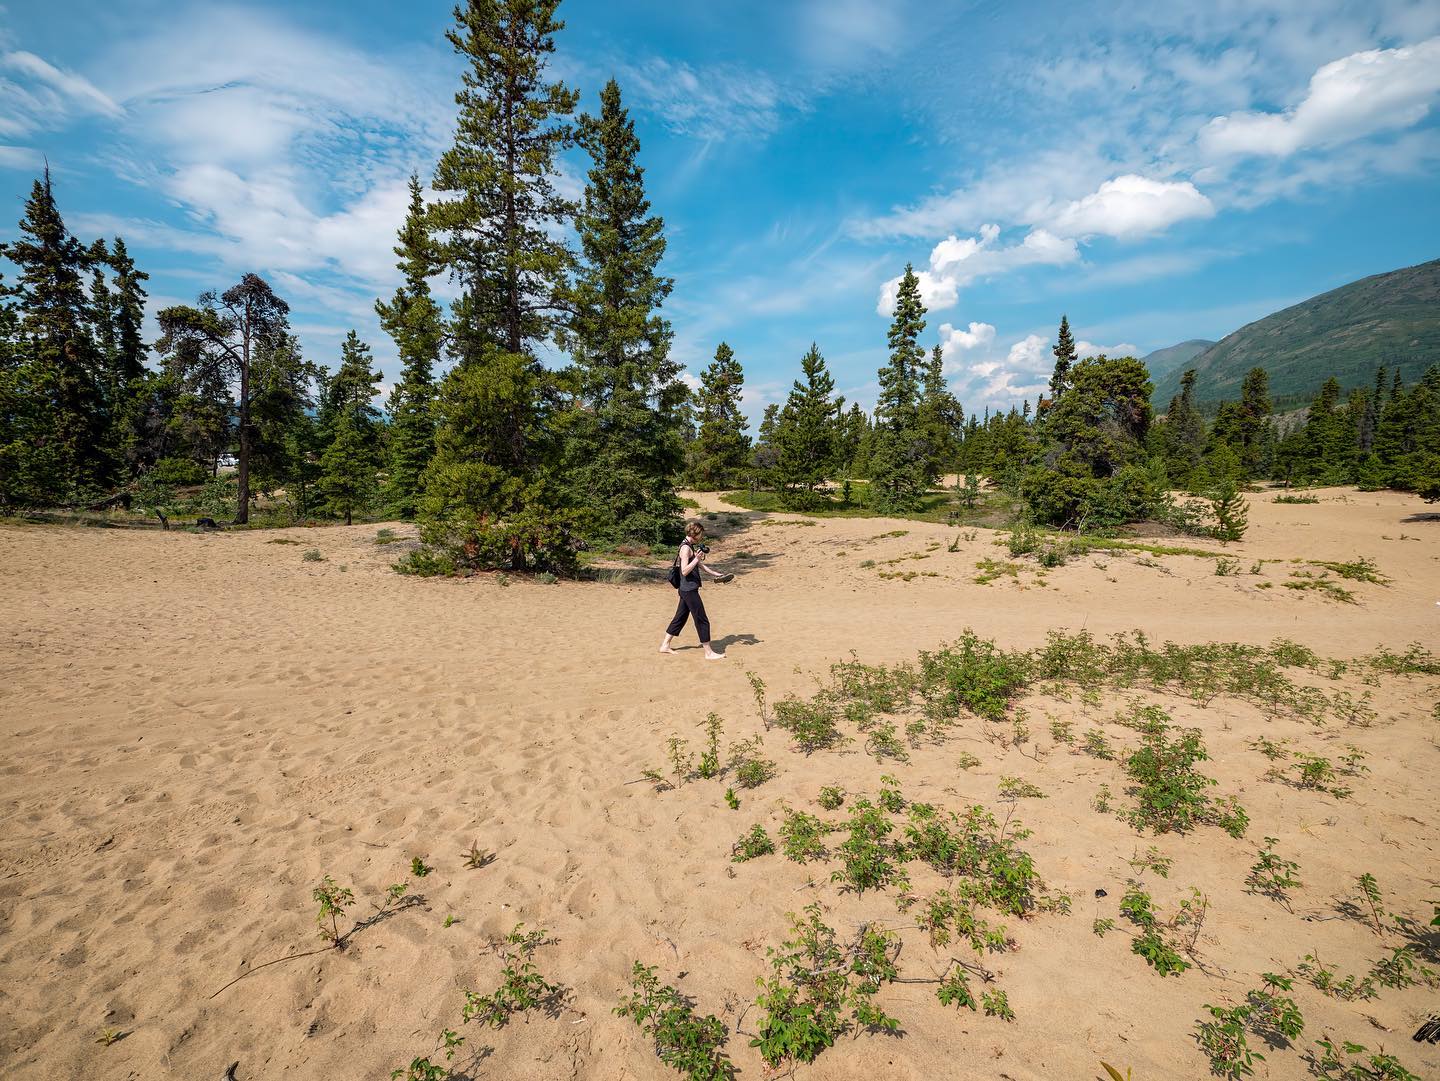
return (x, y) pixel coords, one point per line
(1158, 172)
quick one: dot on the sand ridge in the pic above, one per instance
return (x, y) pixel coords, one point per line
(198, 727)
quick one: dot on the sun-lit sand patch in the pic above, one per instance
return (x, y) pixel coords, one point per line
(199, 728)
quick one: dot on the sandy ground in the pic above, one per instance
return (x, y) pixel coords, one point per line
(198, 727)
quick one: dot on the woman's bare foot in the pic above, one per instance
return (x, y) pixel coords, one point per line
(711, 655)
(665, 645)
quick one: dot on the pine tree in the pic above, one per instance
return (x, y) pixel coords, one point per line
(765, 454)
(352, 456)
(218, 342)
(721, 447)
(853, 426)
(899, 468)
(940, 418)
(63, 448)
(282, 399)
(134, 390)
(1253, 421)
(626, 445)
(1183, 437)
(1064, 360)
(416, 324)
(807, 436)
(492, 494)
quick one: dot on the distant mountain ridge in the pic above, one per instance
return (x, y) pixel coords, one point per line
(1174, 357)
(1390, 319)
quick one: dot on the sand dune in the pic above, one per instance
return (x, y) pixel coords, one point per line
(199, 727)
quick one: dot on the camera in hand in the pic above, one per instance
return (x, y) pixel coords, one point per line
(705, 548)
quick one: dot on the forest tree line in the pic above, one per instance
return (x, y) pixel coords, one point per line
(505, 461)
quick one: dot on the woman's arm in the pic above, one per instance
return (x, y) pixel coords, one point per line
(689, 559)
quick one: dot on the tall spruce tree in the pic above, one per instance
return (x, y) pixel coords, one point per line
(1064, 351)
(940, 417)
(1182, 438)
(220, 340)
(492, 493)
(64, 451)
(899, 464)
(806, 438)
(721, 447)
(416, 324)
(625, 445)
(352, 455)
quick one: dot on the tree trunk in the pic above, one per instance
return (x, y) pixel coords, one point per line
(242, 478)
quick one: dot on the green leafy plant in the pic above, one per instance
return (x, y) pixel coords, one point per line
(1170, 794)
(1152, 860)
(821, 988)
(752, 845)
(1014, 788)
(757, 688)
(1273, 877)
(1097, 745)
(869, 859)
(831, 797)
(1152, 942)
(731, 800)
(996, 1004)
(802, 837)
(521, 988)
(685, 1041)
(1329, 982)
(751, 768)
(418, 868)
(710, 756)
(1349, 1061)
(313, 555)
(682, 762)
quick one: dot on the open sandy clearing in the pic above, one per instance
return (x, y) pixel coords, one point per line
(198, 728)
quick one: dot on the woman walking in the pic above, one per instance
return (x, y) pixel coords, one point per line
(689, 563)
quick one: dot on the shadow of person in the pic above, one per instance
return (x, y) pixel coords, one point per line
(724, 644)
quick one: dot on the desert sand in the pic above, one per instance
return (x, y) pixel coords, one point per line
(197, 728)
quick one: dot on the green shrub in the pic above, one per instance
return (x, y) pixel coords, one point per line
(426, 563)
(684, 1041)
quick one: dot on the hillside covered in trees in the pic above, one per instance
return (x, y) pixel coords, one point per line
(1386, 320)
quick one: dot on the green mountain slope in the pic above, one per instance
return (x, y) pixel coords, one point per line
(1391, 319)
(1174, 358)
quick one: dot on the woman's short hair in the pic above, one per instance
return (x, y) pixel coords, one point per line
(693, 528)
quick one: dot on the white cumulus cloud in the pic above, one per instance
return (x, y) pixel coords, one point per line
(1131, 206)
(1361, 94)
(1085, 349)
(977, 336)
(957, 261)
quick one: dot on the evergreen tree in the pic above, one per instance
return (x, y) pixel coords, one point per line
(852, 431)
(1371, 419)
(721, 447)
(940, 418)
(1064, 351)
(416, 324)
(281, 402)
(1183, 437)
(131, 416)
(62, 450)
(1253, 421)
(218, 342)
(1328, 439)
(492, 494)
(807, 437)
(352, 456)
(765, 454)
(626, 445)
(899, 464)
